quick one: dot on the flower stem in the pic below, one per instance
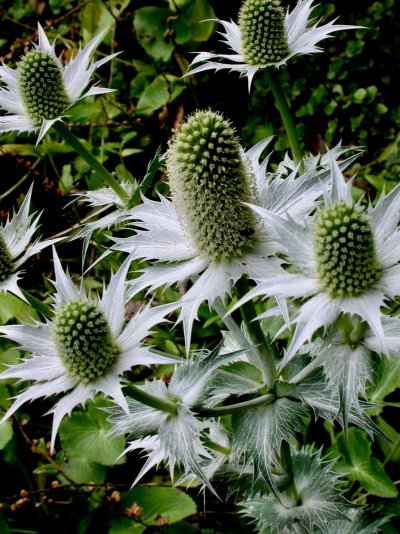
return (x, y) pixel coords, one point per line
(287, 118)
(151, 400)
(235, 408)
(216, 447)
(267, 350)
(94, 163)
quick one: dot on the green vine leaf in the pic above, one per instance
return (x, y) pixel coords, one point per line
(85, 435)
(359, 464)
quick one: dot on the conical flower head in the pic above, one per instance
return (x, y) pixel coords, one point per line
(84, 341)
(41, 85)
(344, 250)
(6, 261)
(209, 184)
(262, 32)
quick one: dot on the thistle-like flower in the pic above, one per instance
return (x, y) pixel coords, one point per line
(16, 246)
(40, 90)
(265, 36)
(207, 230)
(85, 348)
(311, 501)
(345, 260)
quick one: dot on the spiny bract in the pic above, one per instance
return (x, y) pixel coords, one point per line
(344, 250)
(209, 183)
(84, 341)
(262, 32)
(41, 85)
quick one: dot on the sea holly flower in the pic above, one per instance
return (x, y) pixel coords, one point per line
(40, 90)
(265, 36)
(311, 501)
(345, 260)
(85, 348)
(16, 247)
(206, 229)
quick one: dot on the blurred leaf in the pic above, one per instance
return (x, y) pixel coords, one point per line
(360, 465)
(389, 448)
(124, 525)
(6, 429)
(12, 307)
(150, 24)
(387, 382)
(83, 471)
(190, 25)
(154, 96)
(170, 504)
(85, 435)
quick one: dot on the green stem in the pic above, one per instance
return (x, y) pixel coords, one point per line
(235, 408)
(216, 447)
(267, 352)
(287, 118)
(151, 400)
(94, 163)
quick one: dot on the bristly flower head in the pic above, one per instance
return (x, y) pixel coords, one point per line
(346, 258)
(209, 185)
(86, 348)
(265, 37)
(40, 90)
(206, 230)
(16, 246)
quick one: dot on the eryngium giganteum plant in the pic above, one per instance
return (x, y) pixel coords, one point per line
(239, 417)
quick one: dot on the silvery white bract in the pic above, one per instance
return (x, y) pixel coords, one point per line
(355, 277)
(69, 80)
(302, 37)
(176, 439)
(308, 504)
(16, 247)
(85, 348)
(162, 237)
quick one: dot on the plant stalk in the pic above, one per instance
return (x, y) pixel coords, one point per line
(235, 408)
(94, 163)
(287, 118)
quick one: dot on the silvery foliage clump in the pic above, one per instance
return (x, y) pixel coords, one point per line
(327, 267)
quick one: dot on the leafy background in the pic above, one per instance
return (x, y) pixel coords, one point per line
(348, 92)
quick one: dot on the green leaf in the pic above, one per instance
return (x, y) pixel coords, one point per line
(12, 307)
(389, 448)
(157, 503)
(361, 466)
(4, 528)
(85, 435)
(124, 525)
(6, 433)
(388, 381)
(83, 471)
(190, 25)
(150, 24)
(153, 97)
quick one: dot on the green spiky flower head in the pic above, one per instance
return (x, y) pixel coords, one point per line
(344, 250)
(41, 86)
(209, 183)
(84, 341)
(6, 261)
(262, 32)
